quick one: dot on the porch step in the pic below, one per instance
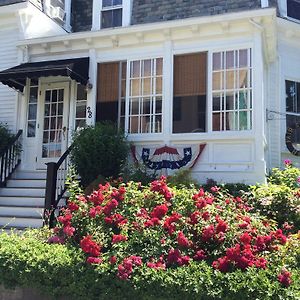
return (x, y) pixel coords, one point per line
(30, 183)
(22, 201)
(22, 174)
(20, 222)
(21, 211)
(32, 192)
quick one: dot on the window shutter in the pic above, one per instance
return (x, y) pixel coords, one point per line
(190, 74)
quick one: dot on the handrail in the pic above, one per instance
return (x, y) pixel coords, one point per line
(10, 158)
(55, 185)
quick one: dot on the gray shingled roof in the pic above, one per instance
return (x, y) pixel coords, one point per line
(148, 11)
(8, 2)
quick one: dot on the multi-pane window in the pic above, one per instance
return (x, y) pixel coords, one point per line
(111, 13)
(32, 110)
(81, 105)
(145, 96)
(189, 89)
(232, 90)
(293, 109)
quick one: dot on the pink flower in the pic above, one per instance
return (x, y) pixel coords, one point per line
(69, 230)
(55, 240)
(287, 162)
(285, 278)
(94, 260)
(200, 255)
(245, 238)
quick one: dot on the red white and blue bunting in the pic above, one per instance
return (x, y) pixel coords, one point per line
(173, 158)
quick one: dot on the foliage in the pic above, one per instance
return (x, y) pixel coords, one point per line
(99, 150)
(137, 172)
(182, 178)
(161, 236)
(5, 137)
(280, 198)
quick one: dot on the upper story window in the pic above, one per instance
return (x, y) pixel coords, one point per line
(232, 90)
(111, 13)
(293, 9)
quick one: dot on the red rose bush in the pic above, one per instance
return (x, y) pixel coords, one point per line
(126, 227)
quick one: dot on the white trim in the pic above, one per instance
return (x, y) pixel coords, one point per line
(67, 25)
(264, 3)
(97, 9)
(282, 4)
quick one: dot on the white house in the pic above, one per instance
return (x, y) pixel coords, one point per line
(209, 84)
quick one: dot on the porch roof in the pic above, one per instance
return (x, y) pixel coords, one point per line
(77, 69)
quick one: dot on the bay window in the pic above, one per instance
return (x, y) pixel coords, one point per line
(232, 90)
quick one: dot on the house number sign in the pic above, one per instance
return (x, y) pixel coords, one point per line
(89, 112)
(289, 139)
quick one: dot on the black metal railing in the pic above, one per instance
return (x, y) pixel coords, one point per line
(55, 186)
(10, 158)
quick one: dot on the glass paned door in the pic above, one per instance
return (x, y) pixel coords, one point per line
(53, 123)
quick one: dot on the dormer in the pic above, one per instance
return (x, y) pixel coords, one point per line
(111, 13)
(290, 9)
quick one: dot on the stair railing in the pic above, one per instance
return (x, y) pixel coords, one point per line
(55, 185)
(10, 158)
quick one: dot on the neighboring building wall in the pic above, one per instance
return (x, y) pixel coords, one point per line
(9, 58)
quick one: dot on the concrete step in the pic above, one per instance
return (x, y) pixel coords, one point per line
(20, 192)
(22, 201)
(22, 183)
(20, 222)
(29, 175)
(19, 211)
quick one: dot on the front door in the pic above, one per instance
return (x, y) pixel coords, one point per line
(53, 123)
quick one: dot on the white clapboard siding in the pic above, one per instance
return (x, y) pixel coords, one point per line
(9, 58)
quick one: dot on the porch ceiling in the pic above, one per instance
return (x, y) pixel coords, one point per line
(77, 69)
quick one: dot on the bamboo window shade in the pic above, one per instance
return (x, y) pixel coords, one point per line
(108, 82)
(190, 74)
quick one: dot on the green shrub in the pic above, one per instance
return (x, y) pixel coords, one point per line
(182, 178)
(99, 150)
(280, 198)
(5, 137)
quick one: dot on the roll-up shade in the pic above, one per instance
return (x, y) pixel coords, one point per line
(190, 74)
(108, 82)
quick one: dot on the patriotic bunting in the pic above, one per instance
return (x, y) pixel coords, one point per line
(173, 158)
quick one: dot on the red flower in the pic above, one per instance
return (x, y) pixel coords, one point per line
(117, 238)
(222, 226)
(182, 240)
(113, 260)
(94, 211)
(159, 211)
(173, 256)
(94, 260)
(110, 206)
(206, 216)
(116, 220)
(161, 187)
(156, 265)
(183, 260)
(285, 278)
(125, 269)
(194, 217)
(73, 206)
(245, 238)
(208, 233)
(222, 264)
(89, 246)
(169, 222)
(96, 197)
(200, 255)
(66, 219)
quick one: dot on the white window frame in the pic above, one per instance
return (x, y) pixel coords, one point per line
(225, 90)
(97, 11)
(283, 10)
